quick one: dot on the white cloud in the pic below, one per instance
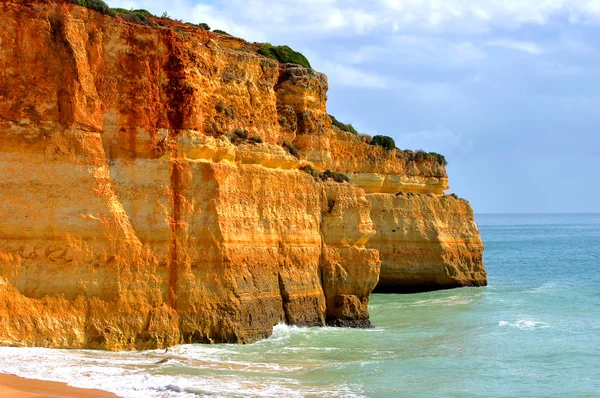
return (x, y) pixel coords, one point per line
(427, 50)
(525, 46)
(276, 18)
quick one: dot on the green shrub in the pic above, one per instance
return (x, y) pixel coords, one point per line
(326, 175)
(335, 176)
(241, 133)
(350, 128)
(406, 154)
(291, 149)
(238, 136)
(330, 205)
(220, 107)
(283, 54)
(283, 122)
(344, 127)
(96, 5)
(384, 142)
(203, 26)
(316, 174)
(221, 32)
(140, 12)
(420, 154)
(229, 112)
(256, 139)
(141, 17)
(212, 129)
(439, 158)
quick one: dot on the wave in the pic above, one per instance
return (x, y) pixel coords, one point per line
(546, 287)
(411, 301)
(136, 375)
(525, 324)
(284, 332)
(445, 301)
(185, 371)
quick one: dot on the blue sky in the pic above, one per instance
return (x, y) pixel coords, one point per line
(508, 90)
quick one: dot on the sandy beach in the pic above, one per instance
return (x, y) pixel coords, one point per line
(18, 387)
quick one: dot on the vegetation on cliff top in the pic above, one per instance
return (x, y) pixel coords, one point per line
(441, 159)
(221, 32)
(384, 141)
(344, 127)
(420, 155)
(414, 156)
(284, 54)
(141, 17)
(97, 5)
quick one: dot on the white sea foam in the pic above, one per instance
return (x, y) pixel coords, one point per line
(137, 374)
(525, 324)
(320, 349)
(445, 301)
(546, 287)
(189, 370)
(283, 332)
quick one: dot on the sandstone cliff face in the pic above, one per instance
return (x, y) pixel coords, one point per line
(426, 243)
(133, 216)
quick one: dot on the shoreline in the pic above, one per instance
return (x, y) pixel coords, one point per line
(12, 386)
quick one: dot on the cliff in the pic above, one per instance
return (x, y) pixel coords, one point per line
(426, 243)
(147, 198)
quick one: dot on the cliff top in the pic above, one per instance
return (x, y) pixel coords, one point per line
(232, 98)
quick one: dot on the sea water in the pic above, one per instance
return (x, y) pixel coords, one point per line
(534, 331)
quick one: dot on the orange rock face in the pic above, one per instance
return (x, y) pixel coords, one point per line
(426, 243)
(147, 200)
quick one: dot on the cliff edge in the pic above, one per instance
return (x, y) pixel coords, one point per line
(163, 184)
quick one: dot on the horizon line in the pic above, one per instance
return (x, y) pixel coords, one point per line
(533, 213)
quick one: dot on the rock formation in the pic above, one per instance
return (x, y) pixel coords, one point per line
(147, 198)
(425, 242)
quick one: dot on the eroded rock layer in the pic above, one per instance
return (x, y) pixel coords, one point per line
(147, 199)
(426, 242)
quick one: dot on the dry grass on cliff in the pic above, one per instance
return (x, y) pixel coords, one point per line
(326, 175)
(421, 156)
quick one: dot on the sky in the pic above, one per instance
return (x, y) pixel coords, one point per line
(507, 90)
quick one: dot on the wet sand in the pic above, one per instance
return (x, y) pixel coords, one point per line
(18, 387)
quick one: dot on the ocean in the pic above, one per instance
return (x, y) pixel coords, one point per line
(534, 331)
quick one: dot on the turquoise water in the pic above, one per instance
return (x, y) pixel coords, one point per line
(534, 331)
